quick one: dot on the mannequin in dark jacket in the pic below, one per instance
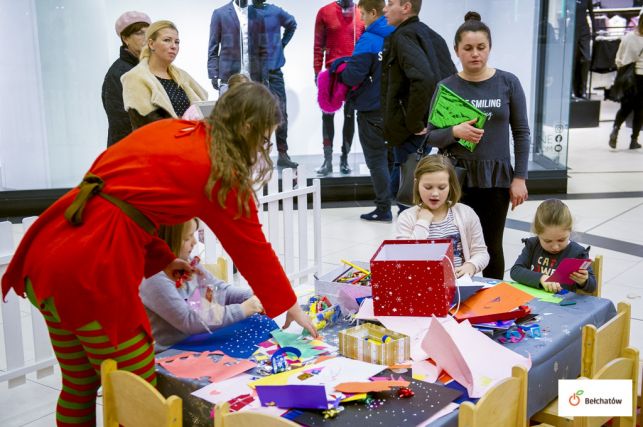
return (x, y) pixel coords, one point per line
(226, 52)
(130, 28)
(415, 58)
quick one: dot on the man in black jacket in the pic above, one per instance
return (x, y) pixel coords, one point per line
(415, 59)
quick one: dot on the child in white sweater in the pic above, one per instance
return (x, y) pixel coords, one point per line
(438, 215)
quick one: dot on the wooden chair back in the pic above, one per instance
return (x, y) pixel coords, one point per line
(219, 269)
(597, 266)
(503, 405)
(130, 401)
(224, 418)
(621, 368)
(606, 343)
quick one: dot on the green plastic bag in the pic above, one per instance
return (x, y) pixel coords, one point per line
(450, 109)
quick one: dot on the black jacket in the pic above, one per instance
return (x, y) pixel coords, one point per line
(415, 59)
(112, 95)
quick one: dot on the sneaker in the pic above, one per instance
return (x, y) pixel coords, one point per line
(613, 138)
(378, 215)
(634, 145)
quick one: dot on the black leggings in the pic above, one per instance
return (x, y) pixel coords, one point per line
(632, 104)
(491, 205)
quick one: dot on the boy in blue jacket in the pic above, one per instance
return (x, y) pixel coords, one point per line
(364, 70)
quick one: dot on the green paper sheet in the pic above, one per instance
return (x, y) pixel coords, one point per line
(541, 294)
(450, 109)
(286, 339)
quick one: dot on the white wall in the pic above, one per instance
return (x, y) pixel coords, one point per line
(76, 43)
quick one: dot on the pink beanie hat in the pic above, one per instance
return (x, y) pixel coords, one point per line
(129, 18)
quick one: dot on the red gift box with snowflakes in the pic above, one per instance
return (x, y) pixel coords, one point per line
(413, 277)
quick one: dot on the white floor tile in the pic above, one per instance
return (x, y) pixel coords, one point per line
(25, 403)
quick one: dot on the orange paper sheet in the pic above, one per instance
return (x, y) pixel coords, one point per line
(369, 386)
(498, 299)
(195, 365)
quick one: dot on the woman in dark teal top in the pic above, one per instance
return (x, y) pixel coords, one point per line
(491, 181)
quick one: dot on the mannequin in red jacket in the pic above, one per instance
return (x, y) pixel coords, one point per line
(337, 28)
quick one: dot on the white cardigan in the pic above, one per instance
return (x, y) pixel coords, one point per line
(473, 246)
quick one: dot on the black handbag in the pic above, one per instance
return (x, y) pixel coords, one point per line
(407, 173)
(624, 83)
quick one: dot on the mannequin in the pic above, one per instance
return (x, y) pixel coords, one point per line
(345, 4)
(582, 55)
(258, 3)
(241, 3)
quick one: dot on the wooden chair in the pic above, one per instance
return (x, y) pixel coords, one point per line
(219, 269)
(224, 418)
(599, 347)
(130, 401)
(621, 368)
(597, 266)
(504, 405)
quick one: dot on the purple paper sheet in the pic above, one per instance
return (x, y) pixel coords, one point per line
(293, 396)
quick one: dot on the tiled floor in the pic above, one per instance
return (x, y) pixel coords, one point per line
(594, 168)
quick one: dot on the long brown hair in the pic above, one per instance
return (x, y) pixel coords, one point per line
(173, 235)
(239, 123)
(437, 163)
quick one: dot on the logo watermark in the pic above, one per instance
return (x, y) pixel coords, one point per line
(593, 398)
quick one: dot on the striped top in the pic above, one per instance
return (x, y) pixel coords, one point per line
(446, 229)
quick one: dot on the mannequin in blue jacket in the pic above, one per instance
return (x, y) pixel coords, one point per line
(364, 70)
(275, 18)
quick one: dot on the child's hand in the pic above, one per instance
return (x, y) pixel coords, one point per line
(580, 277)
(553, 287)
(179, 267)
(251, 306)
(466, 268)
(425, 214)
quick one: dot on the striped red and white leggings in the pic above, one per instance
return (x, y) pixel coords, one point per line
(80, 353)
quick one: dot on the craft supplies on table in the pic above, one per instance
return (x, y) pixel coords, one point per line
(322, 312)
(374, 344)
(343, 277)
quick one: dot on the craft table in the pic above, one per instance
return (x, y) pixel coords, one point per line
(556, 355)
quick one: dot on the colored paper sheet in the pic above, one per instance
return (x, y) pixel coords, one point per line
(293, 396)
(366, 310)
(541, 294)
(287, 339)
(425, 370)
(497, 299)
(414, 327)
(329, 372)
(450, 109)
(348, 296)
(192, 365)
(442, 412)
(470, 357)
(369, 386)
(237, 340)
(226, 390)
(388, 409)
(568, 266)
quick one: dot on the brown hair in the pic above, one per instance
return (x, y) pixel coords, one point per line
(437, 163)
(152, 33)
(368, 5)
(131, 29)
(552, 213)
(416, 5)
(238, 78)
(472, 22)
(239, 122)
(173, 235)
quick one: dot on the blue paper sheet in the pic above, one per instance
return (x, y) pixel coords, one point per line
(237, 340)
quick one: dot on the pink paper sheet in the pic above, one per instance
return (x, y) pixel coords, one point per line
(198, 365)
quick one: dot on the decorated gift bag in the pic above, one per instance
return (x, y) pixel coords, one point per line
(413, 278)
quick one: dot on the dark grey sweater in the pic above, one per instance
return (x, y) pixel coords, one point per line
(502, 98)
(534, 262)
(171, 318)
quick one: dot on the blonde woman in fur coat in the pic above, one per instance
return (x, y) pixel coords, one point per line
(155, 89)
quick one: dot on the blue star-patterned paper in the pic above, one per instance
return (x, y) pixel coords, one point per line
(237, 340)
